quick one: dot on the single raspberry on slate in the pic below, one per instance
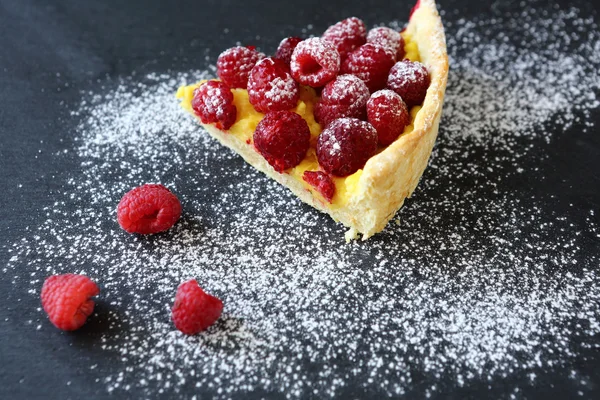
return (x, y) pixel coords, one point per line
(282, 138)
(194, 310)
(315, 62)
(410, 80)
(345, 146)
(346, 96)
(388, 38)
(213, 103)
(321, 182)
(148, 209)
(286, 48)
(234, 65)
(271, 87)
(346, 35)
(371, 63)
(388, 114)
(66, 300)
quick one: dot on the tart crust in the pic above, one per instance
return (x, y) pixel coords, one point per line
(391, 176)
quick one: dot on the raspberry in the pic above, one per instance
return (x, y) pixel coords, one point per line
(388, 114)
(148, 209)
(271, 87)
(234, 65)
(314, 62)
(346, 35)
(346, 96)
(345, 146)
(321, 182)
(194, 310)
(282, 138)
(66, 300)
(371, 63)
(213, 103)
(286, 48)
(388, 38)
(410, 80)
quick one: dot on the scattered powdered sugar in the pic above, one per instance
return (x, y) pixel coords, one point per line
(474, 282)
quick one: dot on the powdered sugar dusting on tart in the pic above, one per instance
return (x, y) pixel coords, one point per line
(472, 285)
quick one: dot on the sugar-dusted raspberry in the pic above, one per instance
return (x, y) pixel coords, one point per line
(271, 87)
(194, 310)
(234, 65)
(321, 182)
(282, 138)
(346, 96)
(410, 80)
(286, 48)
(66, 300)
(345, 146)
(388, 114)
(213, 103)
(315, 62)
(388, 38)
(148, 209)
(371, 63)
(346, 35)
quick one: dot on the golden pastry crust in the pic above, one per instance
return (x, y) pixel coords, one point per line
(392, 175)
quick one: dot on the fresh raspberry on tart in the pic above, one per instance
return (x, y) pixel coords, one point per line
(271, 87)
(346, 35)
(389, 39)
(234, 65)
(346, 96)
(286, 49)
(322, 183)
(343, 151)
(410, 79)
(213, 104)
(388, 114)
(371, 63)
(345, 146)
(282, 138)
(315, 62)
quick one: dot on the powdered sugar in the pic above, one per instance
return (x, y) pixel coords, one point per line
(477, 281)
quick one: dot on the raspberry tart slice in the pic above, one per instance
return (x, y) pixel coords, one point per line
(357, 150)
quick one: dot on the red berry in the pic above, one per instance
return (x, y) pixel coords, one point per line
(148, 209)
(314, 62)
(213, 103)
(286, 48)
(345, 146)
(271, 87)
(346, 35)
(346, 96)
(388, 114)
(194, 310)
(371, 63)
(66, 300)
(282, 138)
(234, 65)
(388, 38)
(410, 80)
(321, 182)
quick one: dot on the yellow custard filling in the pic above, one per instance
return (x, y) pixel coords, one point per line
(248, 118)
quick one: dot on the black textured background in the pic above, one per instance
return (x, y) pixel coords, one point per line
(50, 52)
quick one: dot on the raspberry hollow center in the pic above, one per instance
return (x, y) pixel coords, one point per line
(309, 66)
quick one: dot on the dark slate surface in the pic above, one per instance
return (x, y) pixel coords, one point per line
(43, 46)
